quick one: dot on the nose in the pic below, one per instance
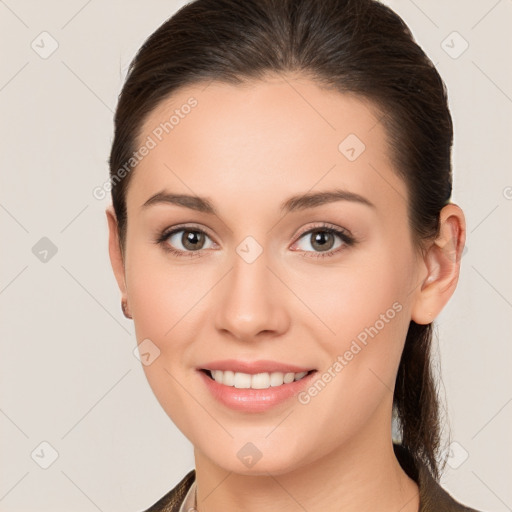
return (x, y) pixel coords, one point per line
(251, 301)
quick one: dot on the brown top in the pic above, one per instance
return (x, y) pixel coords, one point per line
(433, 498)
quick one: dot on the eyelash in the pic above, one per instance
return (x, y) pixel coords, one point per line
(347, 240)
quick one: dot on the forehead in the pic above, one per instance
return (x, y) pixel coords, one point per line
(264, 139)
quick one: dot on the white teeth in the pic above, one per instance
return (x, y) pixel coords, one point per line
(257, 381)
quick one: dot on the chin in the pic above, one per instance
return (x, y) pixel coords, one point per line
(250, 460)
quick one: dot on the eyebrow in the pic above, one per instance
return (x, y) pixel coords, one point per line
(292, 204)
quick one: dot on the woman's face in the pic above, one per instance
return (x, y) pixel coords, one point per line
(256, 276)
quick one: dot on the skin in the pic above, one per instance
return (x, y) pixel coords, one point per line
(248, 148)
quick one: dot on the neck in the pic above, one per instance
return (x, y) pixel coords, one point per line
(363, 475)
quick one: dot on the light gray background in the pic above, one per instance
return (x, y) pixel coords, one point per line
(67, 371)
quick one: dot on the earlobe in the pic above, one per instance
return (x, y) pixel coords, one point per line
(441, 266)
(115, 251)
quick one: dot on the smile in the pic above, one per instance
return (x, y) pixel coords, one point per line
(263, 380)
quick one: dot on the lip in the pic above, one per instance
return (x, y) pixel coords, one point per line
(254, 400)
(253, 367)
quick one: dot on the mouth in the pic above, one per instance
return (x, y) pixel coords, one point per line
(263, 380)
(254, 386)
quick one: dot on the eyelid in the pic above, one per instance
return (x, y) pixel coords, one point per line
(342, 233)
(166, 233)
(162, 237)
(324, 225)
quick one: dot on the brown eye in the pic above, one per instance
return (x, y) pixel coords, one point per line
(321, 241)
(192, 240)
(186, 240)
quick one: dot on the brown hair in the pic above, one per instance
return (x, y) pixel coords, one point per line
(355, 46)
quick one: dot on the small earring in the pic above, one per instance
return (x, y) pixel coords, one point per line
(124, 304)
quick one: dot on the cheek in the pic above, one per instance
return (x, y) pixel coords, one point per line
(355, 297)
(366, 308)
(160, 293)
(162, 298)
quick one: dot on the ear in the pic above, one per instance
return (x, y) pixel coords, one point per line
(115, 251)
(441, 266)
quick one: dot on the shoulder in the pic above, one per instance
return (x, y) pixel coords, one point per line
(172, 501)
(433, 498)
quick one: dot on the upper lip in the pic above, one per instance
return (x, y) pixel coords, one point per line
(253, 367)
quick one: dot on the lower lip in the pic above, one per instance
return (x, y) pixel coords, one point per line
(254, 400)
